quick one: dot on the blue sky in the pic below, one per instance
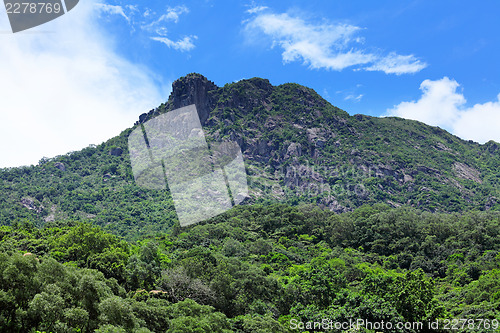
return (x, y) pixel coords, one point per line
(87, 75)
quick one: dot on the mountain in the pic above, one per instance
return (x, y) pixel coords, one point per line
(297, 148)
(328, 236)
(292, 139)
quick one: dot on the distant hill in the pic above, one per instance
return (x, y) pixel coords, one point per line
(297, 148)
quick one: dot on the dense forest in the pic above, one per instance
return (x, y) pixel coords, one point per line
(349, 218)
(260, 268)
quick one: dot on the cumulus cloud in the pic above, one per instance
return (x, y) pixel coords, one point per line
(329, 46)
(441, 104)
(63, 90)
(480, 123)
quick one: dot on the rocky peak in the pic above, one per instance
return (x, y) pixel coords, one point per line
(194, 89)
(260, 83)
(247, 94)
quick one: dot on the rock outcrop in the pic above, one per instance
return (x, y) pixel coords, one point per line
(60, 166)
(194, 89)
(116, 151)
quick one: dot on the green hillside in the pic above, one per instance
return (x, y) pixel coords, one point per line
(296, 146)
(349, 217)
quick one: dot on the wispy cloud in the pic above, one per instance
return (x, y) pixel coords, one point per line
(442, 105)
(328, 46)
(157, 26)
(397, 64)
(152, 22)
(185, 44)
(355, 98)
(256, 9)
(351, 94)
(173, 13)
(113, 10)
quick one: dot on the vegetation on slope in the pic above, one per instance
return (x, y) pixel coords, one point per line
(381, 219)
(254, 268)
(297, 149)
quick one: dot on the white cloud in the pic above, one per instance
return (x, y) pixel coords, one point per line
(157, 26)
(355, 98)
(114, 10)
(64, 90)
(133, 8)
(397, 64)
(161, 31)
(256, 9)
(185, 44)
(480, 123)
(329, 46)
(153, 23)
(441, 105)
(173, 13)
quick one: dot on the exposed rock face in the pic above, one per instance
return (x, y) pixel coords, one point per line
(194, 89)
(294, 149)
(407, 178)
(251, 94)
(51, 216)
(191, 89)
(143, 117)
(341, 160)
(31, 205)
(117, 151)
(466, 172)
(383, 170)
(60, 166)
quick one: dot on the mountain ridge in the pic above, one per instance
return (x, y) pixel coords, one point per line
(297, 147)
(329, 126)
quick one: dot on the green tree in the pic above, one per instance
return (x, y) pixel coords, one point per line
(190, 317)
(116, 311)
(413, 296)
(47, 307)
(76, 318)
